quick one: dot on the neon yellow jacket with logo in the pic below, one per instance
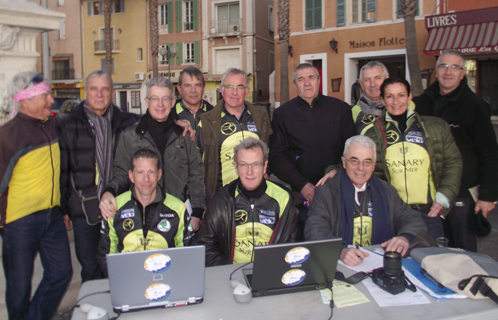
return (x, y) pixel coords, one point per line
(29, 167)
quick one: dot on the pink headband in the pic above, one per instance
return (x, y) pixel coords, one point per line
(32, 91)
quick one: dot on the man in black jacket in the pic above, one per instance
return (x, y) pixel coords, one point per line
(248, 211)
(309, 133)
(451, 99)
(87, 139)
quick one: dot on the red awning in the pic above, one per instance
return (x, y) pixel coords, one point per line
(469, 39)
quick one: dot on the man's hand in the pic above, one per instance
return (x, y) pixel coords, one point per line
(484, 206)
(68, 223)
(352, 256)
(435, 209)
(196, 223)
(186, 128)
(398, 244)
(308, 191)
(329, 175)
(107, 205)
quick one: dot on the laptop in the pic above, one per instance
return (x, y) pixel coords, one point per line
(293, 267)
(156, 278)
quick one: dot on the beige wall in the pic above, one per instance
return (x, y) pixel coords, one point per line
(385, 36)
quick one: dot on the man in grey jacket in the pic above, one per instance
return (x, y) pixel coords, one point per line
(360, 208)
(183, 172)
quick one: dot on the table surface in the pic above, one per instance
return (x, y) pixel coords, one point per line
(219, 304)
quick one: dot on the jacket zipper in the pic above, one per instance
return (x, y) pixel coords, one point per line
(51, 163)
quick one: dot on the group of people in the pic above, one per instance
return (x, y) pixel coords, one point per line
(383, 172)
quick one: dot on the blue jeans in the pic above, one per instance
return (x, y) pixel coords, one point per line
(86, 244)
(41, 232)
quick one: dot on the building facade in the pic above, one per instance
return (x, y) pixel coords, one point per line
(238, 34)
(359, 31)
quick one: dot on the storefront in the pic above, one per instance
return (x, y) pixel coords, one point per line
(475, 34)
(129, 97)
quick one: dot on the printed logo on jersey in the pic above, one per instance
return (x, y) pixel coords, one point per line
(368, 119)
(166, 215)
(392, 137)
(251, 126)
(241, 216)
(267, 212)
(228, 128)
(266, 219)
(164, 225)
(128, 225)
(415, 137)
(130, 213)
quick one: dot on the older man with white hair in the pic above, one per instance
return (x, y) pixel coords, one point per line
(30, 219)
(360, 208)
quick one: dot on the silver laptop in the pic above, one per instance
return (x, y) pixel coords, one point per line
(293, 267)
(157, 278)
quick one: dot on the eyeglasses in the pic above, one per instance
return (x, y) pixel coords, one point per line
(232, 88)
(255, 165)
(454, 67)
(155, 99)
(356, 162)
(34, 81)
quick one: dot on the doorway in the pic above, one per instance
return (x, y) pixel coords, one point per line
(123, 101)
(488, 83)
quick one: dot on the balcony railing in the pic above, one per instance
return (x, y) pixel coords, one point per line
(225, 27)
(64, 74)
(99, 46)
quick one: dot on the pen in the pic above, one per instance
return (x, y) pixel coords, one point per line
(428, 276)
(358, 247)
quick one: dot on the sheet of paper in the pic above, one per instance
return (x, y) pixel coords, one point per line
(345, 295)
(189, 207)
(374, 260)
(385, 299)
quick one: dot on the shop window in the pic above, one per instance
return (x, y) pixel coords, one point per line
(313, 14)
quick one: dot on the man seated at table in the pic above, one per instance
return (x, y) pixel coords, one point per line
(259, 211)
(146, 217)
(361, 208)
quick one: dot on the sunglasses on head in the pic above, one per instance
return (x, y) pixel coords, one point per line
(34, 81)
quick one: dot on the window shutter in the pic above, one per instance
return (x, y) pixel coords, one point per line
(101, 8)
(371, 5)
(178, 5)
(179, 55)
(169, 7)
(122, 5)
(197, 52)
(171, 60)
(317, 14)
(62, 29)
(195, 17)
(89, 6)
(309, 14)
(341, 13)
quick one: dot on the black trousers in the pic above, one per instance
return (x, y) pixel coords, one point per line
(457, 225)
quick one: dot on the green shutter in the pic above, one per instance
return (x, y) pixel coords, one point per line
(313, 14)
(372, 7)
(318, 14)
(171, 60)
(341, 13)
(169, 8)
(195, 17)
(179, 16)
(179, 55)
(197, 52)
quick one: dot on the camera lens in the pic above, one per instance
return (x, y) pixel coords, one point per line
(392, 263)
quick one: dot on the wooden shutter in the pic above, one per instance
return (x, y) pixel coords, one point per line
(195, 17)
(179, 27)
(341, 13)
(169, 8)
(179, 55)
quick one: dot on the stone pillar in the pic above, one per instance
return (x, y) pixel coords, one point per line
(20, 24)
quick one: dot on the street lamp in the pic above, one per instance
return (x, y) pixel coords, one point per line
(169, 53)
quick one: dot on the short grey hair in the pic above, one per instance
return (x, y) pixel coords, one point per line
(454, 52)
(372, 64)
(159, 82)
(18, 83)
(360, 141)
(99, 73)
(233, 71)
(304, 66)
(251, 143)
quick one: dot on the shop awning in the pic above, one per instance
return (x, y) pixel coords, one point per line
(469, 39)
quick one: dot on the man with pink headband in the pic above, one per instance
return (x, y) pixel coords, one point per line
(30, 218)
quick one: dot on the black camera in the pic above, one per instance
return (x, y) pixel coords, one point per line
(392, 278)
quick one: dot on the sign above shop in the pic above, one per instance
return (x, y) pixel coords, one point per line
(383, 42)
(461, 18)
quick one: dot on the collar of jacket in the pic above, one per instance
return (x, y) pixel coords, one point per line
(313, 103)
(142, 129)
(160, 195)
(31, 119)
(433, 90)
